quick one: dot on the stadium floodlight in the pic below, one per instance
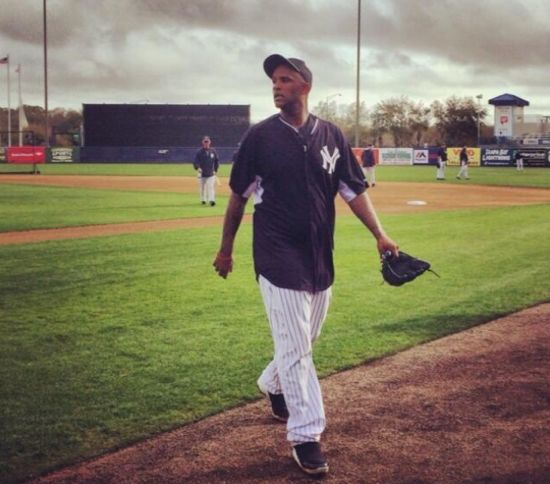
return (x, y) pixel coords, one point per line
(46, 127)
(358, 73)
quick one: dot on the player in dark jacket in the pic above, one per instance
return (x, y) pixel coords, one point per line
(207, 164)
(292, 165)
(441, 163)
(369, 164)
(464, 161)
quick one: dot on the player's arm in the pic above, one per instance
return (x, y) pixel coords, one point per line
(233, 217)
(363, 209)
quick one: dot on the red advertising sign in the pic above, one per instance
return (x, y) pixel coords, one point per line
(26, 154)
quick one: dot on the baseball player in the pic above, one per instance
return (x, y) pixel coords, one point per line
(367, 157)
(519, 160)
(441, 162)
(207, 164)
(292, 165)
(463, 164)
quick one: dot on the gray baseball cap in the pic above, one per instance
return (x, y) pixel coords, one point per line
(275, 60)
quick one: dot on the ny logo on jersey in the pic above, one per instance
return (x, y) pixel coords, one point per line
(329, 161)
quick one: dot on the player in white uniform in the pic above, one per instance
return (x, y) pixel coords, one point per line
(293, 164)
(464, 161)
(207, 164)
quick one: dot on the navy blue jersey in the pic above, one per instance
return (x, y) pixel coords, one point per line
(367, 158)
(207, 160)
(294, 176)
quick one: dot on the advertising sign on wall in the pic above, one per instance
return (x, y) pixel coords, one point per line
(421, 157)
(534, 157)
(26, 154)
(62, 155)
(453, 156)
(395, 156)
(497, 157)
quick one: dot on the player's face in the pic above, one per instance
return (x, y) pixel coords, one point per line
(289, 87)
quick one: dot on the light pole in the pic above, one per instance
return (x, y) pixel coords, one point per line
(478, 97)
(45, 26)
(357, 83)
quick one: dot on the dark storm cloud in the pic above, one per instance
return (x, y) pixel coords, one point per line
(489, 33)
(130, 49)
(466, 32)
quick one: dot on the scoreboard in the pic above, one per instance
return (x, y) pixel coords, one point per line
(163, 124)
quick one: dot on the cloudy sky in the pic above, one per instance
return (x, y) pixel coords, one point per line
(211, 51)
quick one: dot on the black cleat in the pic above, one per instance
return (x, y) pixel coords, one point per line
(278, 405)
(309, 458)
(203, 203)
(212, 204)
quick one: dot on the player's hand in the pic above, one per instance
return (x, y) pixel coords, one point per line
(385, 245)
(223, 264)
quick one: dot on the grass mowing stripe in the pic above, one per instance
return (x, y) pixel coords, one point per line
(105, 341)
(535, 177)
(114, 169)
(36, 207)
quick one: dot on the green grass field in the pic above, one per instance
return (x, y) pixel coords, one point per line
(535, 177)
(26, 207)
(106, 341)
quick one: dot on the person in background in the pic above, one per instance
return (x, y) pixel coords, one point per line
(519, 160)
(464, 161)
(369, 165)
(207, 164)
(441, 163)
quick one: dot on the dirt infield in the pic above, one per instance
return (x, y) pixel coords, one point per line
(470, 407)
(387, 197)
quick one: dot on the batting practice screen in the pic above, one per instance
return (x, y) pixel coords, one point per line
(163, 124)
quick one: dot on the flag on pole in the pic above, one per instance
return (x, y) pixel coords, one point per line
(5, 60)
(23, 122)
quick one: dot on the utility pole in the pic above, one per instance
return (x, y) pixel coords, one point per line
(46, 127)
(357, 96)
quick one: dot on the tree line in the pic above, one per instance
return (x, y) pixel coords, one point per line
(399, 121)
(63, 123)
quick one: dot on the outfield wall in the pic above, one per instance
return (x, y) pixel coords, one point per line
(489, 156)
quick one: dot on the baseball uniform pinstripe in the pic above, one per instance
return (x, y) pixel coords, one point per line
(293, 176)
(296, 319)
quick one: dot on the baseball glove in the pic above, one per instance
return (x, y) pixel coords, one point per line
(397, 271)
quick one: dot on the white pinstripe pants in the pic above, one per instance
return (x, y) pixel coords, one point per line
(207, 190)
(295, 318)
